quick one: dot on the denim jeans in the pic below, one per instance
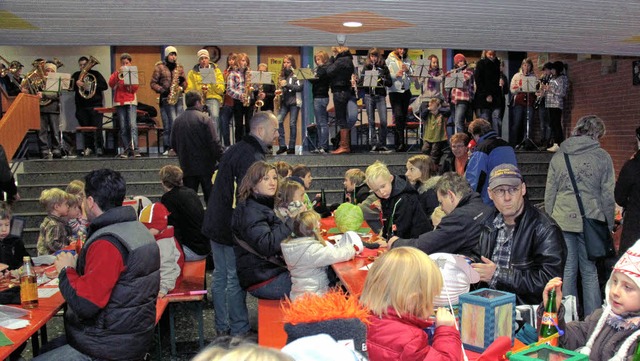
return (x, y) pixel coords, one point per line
(322, 121)
(128, 126)
(293, 125)
(459, 111)
(190, 255)
(169, 113)
(378, 102)
(352, 111)
(226, 113)
(493, 117)
(545, 128)
(66, 353)
(518, 127)
(276, 289)
(577, 261)
(213, 105)
(229, 299)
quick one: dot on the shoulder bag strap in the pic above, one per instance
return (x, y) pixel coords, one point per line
(575, 186)
(272, 259)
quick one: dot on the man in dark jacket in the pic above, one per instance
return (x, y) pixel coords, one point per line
(490, 152)
(7, 181)
(458, 232)
(86, 103)
(195, 141)
(488, 92)
(112, 288)
(521, 247)
(229, 299)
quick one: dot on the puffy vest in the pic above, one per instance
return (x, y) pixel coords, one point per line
(123, 330)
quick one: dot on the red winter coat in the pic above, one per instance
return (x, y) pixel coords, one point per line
(124, 94)
(391, 337)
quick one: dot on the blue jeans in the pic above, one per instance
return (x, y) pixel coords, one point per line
(459, 111)
(213, 105)
(545, 127)
(229, 299)
(169, 113)
(322, 121)
(226, 114)
(276, 289)
(577, 261)
(293, 125)
(190, 255)
(66, 353)
(492, 116)
(378, 102)
(128, 126)
(346, 109)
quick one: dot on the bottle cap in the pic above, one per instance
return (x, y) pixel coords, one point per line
(26, 258)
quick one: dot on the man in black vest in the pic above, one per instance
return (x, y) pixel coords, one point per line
(112, 285)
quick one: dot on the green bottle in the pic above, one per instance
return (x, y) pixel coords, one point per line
(550, 320)
(636, 356)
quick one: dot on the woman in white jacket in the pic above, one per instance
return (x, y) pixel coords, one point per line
(308, 255)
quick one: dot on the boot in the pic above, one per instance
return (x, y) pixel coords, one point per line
(344, 143)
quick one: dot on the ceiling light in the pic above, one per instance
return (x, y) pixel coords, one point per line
(352, 24)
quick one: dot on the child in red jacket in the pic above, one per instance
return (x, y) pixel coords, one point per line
(400, 303)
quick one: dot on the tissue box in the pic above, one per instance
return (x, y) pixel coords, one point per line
(546, 352)
(485, 315)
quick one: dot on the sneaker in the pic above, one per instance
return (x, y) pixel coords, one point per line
(47, 155)
(136, 154)
(166, 153)
(375, 149)
(554, 148)
(291, 151)
(383, 149)
(87, 152)
(281, 150)
(123, 155)
(322, 151)
(99, 152)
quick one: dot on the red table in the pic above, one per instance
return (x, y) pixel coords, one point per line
(38, 318)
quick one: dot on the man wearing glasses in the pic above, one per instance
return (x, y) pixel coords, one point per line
(521, 247)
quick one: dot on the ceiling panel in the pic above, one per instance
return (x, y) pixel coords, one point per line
(586, 26)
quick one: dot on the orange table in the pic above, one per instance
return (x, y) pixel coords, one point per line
(38, 318)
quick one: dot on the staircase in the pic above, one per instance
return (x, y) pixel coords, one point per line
(141, 175)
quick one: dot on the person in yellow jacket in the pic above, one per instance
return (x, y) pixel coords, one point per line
(212, 93)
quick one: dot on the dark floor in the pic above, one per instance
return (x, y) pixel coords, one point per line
(186, 329)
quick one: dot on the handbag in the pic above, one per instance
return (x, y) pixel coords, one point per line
(597, 237)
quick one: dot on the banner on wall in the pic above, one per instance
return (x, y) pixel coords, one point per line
(274, 65)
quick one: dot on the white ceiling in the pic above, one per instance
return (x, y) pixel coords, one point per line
(564, 26)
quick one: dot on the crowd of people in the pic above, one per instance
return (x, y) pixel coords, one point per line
(447, 102)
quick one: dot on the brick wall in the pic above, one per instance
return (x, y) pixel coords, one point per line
(612, 97)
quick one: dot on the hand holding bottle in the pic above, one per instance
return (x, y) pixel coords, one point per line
(553, 283)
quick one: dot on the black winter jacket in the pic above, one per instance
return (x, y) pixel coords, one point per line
(339, 69)
(458, 232)
(409, 219)
(232, 168)
(627, 193)
(384, 79)
(97, 99)
(11, 251)
(538, 254)
(255, 222)
(194, 138)
(320, 85)
(186, 218)
(487, 77)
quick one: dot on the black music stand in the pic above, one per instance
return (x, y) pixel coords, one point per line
(528, 87)
(421, 73)
(307, 74)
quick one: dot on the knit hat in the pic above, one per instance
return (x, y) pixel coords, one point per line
(50, 66)
(629, 263)
(505, 174)
(203, 53)
(458, 58)
(170, 49)
(155, 216)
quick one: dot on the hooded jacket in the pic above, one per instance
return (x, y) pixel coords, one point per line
(194, 82)
(307, 260)
(627, 194)
(402, 213)
(593, 170)
(339, 69)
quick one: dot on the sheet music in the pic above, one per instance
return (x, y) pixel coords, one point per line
(370, 78)
(261, 77)
(130, 75)
(56, 82)
(208, 75)
(529, 84)
(47, 292)
(455, 80)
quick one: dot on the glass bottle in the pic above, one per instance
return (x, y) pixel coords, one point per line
(550, 320)
(28, 285)
(323, 199)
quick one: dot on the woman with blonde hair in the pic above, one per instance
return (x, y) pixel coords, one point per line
(245, 352)
(401, 302)
(522, 103)
(290, 89)
(289, 192)
(258, 233)
(237, 89)
(320, 90)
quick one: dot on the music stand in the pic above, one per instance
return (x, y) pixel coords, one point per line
(307, 74)
(130, 75)
(454, 80)
(421, 72)
(56, 83)
(528, 86)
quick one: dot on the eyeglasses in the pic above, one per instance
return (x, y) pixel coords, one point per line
(500, 192)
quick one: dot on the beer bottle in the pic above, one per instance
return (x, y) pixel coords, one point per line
(549, 320)
(28, 285)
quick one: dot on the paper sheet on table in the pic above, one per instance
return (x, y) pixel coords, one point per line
(47, 292)
(43, 260)
(365, 267)
(14, 324)
(54, 282)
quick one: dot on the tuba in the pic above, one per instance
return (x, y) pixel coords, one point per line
(90, 82)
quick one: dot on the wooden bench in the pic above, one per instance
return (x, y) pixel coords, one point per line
(193, 278)
(270, 325)
(114, 134)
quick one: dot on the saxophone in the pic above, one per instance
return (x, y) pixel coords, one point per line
(248, 89)
(175, 90)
